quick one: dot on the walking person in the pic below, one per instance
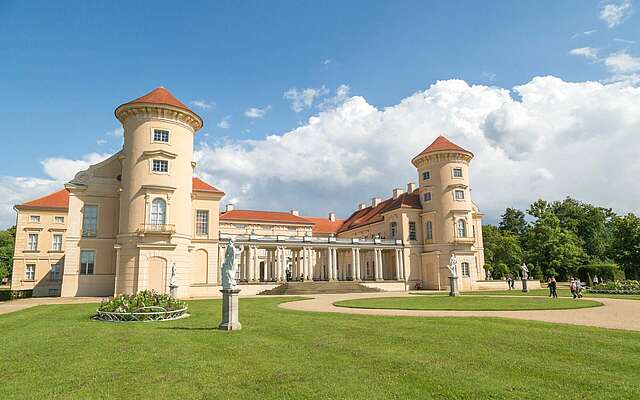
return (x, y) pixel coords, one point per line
(578, 288)
(509, 282)
(549, 286)
(573, 287)
(553, 287)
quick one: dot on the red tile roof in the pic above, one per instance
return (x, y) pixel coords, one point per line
(263, 216)
(199, 185)
(160, 96)
(58, 200)
(441, 144)
(371, 215)
(323, 225)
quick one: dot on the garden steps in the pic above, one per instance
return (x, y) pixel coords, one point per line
(301, 288)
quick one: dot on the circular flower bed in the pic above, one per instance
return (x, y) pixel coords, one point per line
(142, 306)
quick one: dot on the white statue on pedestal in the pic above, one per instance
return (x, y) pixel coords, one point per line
(229, 265)
(525, 271)
(453, 266)
(173, 281)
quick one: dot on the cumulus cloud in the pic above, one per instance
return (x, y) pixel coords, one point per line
(225, 122)
(546, 138)
(302, 99)
(587, 52)
(63, 169)
(615, 14)
(622, 62)
(255, 112)
(203, 105)
(118, 132)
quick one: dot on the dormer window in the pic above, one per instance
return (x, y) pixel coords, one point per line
(161, 135)
(457, 172)
(161, 166)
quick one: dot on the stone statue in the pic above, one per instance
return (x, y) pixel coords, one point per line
(453, 266)
(488, 275)
(525, 271)
(173, 281)
(229, 265)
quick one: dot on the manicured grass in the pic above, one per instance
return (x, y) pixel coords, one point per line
(53, 352)
(545, 292)
(468, 303)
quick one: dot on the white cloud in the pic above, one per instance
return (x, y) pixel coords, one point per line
(225, 122)
(490, 76)
(625, 41)
(556, 139)
(64, 169)
(302, 99)
(587, 52)
(118, 132)
(100, 142)
(204, 105)
(585, 33)
(327, 61)
(255, 112)
(16, 190)
(622, 63)
(615, 14)
(341, 94)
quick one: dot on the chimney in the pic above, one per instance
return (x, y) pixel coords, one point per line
(230, 207)
(362, 206)
(332, 216)
(295, 212)
(411, 187)
(375, 201)
(397, 192)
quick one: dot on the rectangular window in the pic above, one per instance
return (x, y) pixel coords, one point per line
(458, 194)
(160, 166)
(457, 172)
(427, 196)
(202, 222)
(429, 230)
(56, 244)
(465, 268)
(55, 272)
(426, 175)
(30, 272)
(394, 230)
(58, 220)
(32, 244)
(160, 135)
(90, 221)
(87, 262)
(412, 231)
(34, 218)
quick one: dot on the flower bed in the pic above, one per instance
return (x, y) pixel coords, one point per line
(143, 306)
(617, 287)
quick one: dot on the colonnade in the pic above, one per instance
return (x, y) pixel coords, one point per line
(281, 263)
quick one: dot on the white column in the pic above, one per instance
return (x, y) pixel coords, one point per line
(335, 263)
(312, 263)
(329, 263)
(279, 264)
(397, 264)
(378, 264)
(403, 271)
(353, 264)
(356, 264)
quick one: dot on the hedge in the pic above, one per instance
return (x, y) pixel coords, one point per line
(15, 294)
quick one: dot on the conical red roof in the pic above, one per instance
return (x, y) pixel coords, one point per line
(442, 144)
(160, 96)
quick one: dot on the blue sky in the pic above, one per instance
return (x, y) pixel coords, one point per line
(67, 65)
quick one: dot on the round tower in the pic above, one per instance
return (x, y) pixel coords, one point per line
(156, 180)
(450, 219)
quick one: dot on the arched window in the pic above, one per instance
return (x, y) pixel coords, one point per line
(465, 268)
(462, 228)
(158, 212)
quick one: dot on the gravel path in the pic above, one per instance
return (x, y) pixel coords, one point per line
(614, 314)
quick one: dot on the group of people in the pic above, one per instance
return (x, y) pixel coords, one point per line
(575, 286)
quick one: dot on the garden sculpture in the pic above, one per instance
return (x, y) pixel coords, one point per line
(229, 265)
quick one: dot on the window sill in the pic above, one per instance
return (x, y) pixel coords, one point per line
(55, 251)
(28, 280)
(31, 251)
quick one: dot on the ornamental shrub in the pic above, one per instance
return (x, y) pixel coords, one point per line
(126, 303)
(617, 287)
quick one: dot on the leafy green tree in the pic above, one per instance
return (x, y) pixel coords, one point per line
(513, 221)
(550, 245)
(626, 244)
(502, 251)
(7, 242)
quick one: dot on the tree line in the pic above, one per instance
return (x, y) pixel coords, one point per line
(565, 239)
(7, 241)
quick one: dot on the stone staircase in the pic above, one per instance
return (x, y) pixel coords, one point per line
(302, 288)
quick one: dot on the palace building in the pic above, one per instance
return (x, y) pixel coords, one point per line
(120, 225)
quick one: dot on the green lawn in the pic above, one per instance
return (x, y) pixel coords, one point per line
(468, 303)
(545, 292)
(57, 352)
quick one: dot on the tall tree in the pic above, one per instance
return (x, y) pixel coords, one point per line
(513, 221)
(626, 244)
(502, 251)
(7, 241)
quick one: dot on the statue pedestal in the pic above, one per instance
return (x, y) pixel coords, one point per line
(173, 291)
(453, 286)
(525, 287)
(230, 320)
